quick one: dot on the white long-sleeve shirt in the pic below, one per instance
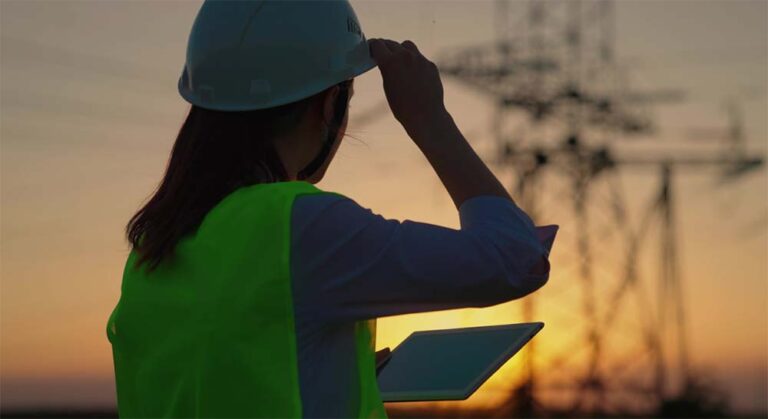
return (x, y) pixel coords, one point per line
(350, 264)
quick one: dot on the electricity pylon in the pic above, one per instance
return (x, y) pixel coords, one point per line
(560, 72)
(562, 105)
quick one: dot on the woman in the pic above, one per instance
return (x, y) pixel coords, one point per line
(249, 292)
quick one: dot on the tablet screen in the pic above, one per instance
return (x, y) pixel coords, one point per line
(450, 364)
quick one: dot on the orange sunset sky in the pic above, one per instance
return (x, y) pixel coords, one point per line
(89, 112)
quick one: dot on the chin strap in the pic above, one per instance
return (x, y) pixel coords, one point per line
(338, 117)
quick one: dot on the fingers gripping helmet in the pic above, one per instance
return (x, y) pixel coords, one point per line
(248, 55)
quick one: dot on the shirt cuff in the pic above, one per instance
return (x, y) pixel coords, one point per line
(502, 217)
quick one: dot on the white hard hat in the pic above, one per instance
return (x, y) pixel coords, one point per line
(247, 55)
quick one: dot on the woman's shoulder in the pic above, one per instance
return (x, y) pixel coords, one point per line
(331, 215)
(321, 202)
(278, 190)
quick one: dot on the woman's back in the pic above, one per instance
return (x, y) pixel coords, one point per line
(211, 332)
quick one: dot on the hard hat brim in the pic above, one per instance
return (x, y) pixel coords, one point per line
(309, 90)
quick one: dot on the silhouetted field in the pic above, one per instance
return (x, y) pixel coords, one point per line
(58, 413)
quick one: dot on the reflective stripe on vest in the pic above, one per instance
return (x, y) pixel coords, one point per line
(210, 332)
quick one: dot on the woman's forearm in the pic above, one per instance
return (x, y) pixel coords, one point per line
(457, 165)
(415, 94)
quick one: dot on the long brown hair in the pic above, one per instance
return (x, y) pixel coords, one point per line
(215, 153)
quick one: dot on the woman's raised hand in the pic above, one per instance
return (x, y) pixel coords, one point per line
(415, 95)
(411, 84)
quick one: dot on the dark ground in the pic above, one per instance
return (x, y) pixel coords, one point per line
(393, 413)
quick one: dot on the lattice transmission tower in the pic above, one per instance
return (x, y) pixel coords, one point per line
(562, 104)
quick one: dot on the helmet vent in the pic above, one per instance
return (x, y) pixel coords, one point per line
(353, 27)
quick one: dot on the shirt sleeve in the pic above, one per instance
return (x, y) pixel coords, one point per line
(351, 264)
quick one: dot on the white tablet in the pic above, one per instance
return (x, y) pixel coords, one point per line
(450, 364)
